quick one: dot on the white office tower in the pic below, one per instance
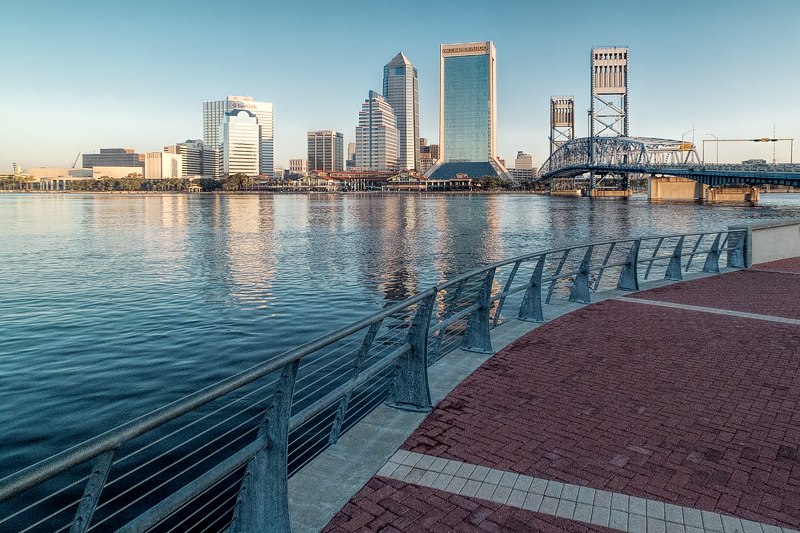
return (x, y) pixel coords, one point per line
(239, 137)
(214, 114)
(400, 88)
(376, 135)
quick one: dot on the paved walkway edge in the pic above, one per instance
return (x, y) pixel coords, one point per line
(327, 483)
(564, 500)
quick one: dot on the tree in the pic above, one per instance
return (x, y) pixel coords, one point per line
(236, 181)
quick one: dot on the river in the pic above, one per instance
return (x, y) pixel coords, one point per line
(113, 305)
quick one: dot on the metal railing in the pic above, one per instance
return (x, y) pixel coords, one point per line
(220, 458)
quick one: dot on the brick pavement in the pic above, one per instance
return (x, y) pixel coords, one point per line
(747, 291)
(689, 408)
(782, 265)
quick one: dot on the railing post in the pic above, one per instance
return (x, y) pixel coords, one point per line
(531, 308)
(263, 501)
(92, 491)
(477, 337)
(410, 390)
(736, 240)
(502, 300)
(712, 258)
(580, 287)
(674, 266)
(629, 277)
(336, 427)
(435, 347)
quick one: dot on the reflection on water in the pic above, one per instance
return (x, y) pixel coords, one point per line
(112, 305)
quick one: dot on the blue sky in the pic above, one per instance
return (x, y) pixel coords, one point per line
(83, 75)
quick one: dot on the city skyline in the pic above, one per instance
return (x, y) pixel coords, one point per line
(688, 78)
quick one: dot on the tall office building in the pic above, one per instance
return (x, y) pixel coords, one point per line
(376, 135)
(401, 91)
(239, 137)
(325, 151)
(214, 115)
(467, 112)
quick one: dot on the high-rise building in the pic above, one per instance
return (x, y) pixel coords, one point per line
(400, 88)
(467, 112)
(376, 135)
(214, 115)
(199, 159)
(325, 151)
(239, 138)
(523, 160)
(114, 157)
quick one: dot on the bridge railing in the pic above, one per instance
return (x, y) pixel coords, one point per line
(221, 458)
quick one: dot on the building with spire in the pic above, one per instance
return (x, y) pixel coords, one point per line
(376, 135)
(400, 88)
(467, 112)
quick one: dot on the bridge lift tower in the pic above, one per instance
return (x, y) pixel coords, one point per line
(609, 104)
(562, 121)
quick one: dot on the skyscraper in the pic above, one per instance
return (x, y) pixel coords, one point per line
(376, 135)
(214, 115)
(325, 151)
(239, 137)
(467, 112)
(401, 91)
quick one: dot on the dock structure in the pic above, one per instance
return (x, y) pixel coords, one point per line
(669, 409)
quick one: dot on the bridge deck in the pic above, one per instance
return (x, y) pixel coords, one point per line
(673, 409)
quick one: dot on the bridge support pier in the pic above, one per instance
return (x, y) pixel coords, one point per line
(675, 188)
(597, 193)
(732, 194)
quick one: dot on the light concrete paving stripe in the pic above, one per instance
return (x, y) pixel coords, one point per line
(713, 310)
(583, 504)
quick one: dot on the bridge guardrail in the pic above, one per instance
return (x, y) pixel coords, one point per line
(222, 456)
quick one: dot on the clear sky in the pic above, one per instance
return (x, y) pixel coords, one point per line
(81, 75)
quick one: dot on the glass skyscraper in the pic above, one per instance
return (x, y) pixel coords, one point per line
(400, 88)
(467, 112)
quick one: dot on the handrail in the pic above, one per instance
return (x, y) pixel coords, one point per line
(401, 373)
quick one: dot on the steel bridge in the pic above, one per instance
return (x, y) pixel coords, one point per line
(622, 156)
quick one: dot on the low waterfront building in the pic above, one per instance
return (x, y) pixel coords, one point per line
(114, 157)
(57, 179)
(116, 172)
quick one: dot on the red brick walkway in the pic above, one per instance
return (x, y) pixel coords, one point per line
(783, 265)
(685, 407)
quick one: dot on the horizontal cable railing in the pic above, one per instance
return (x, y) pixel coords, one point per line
(219, 459)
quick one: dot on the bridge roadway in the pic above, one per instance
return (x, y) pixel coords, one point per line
(649, 156)
(674, 409)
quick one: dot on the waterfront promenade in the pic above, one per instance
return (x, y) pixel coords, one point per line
(674, 409)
